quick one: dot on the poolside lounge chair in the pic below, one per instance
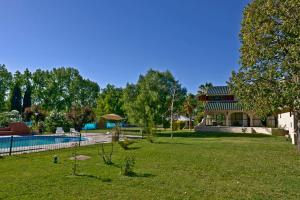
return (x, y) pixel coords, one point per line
(60, 131)
(73, 131)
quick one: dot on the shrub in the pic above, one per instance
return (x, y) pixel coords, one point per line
(79, 116)
(125, 144)
(166, 124)
(9, 117)
(128, 165)
(57, 119)
(176, 125)
(106, 157)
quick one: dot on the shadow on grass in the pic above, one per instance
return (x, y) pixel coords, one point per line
(132, 148)
(210, 134)
(140, 175)
(94, 177)
(181, 143)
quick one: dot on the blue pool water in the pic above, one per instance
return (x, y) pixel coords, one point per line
(36, 140)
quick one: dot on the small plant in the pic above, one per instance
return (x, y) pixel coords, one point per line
(150, 139)
(106, 157)
(125, 144)
(128, 165)
(244, 130)
(55, 159)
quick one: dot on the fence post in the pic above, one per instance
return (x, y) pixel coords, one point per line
(79, 139)
(11, 144)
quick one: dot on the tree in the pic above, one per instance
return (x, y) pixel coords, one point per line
(149, 101)
(189, 107)
(27, 98)
(16, 98)
(79, 116)
(110, 101)
(65, 87)
(204, 88)
(5, 81)
(268, 80)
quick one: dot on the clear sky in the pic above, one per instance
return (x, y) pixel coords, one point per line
(113, 41)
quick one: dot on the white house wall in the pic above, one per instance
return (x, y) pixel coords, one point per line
(287, 122)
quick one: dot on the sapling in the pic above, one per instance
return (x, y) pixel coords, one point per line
(107, 157)
(75, 158)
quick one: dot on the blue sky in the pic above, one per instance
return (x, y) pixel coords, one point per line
(113, 41)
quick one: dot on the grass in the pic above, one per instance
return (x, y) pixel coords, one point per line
(190, 166)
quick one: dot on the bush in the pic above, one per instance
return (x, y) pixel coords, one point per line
(57, 119)
(125, 144)
(9, 117)
(166, 124)
(128, 165)
(176, 125)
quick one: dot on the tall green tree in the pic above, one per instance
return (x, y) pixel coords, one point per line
(268, 80)
(27, 98)
(61, 88)
(110, 101)
(148, 102)
(5, 81)
(16, 98)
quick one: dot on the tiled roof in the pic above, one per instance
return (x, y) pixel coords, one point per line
(218, 90)
(215, 106)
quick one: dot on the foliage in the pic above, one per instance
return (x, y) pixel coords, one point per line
(128, 166)
(79, 116)
(9, 117)
(57, 119)
(40, 127)
(65, 87)
(16, 98)
(149, 101)
(5, 81)
(204, 88)
(178, 125)
(106, 157)
(110, 101)
(27, 98)
(126, 143)
(268, 80)
(34, 113)
(269, 75)
(199, 109)
(189, 107)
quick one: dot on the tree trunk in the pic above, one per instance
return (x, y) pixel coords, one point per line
(172, 106)
(190, 122)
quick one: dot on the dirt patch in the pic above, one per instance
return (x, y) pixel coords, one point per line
(80, 157)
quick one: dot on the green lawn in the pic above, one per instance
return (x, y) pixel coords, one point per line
(212, 166)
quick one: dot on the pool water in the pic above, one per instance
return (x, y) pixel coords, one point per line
(25, 141)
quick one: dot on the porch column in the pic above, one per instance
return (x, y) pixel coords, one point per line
(227, 121)
(251, 120)
(245, 123)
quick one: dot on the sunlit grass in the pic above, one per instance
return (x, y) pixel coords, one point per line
(190, 166)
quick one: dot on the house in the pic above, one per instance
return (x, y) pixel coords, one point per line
(223, 112)
(288, 122)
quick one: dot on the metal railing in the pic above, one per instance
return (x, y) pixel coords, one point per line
(11, 145)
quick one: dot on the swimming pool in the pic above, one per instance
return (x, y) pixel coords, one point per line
(26, 141)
